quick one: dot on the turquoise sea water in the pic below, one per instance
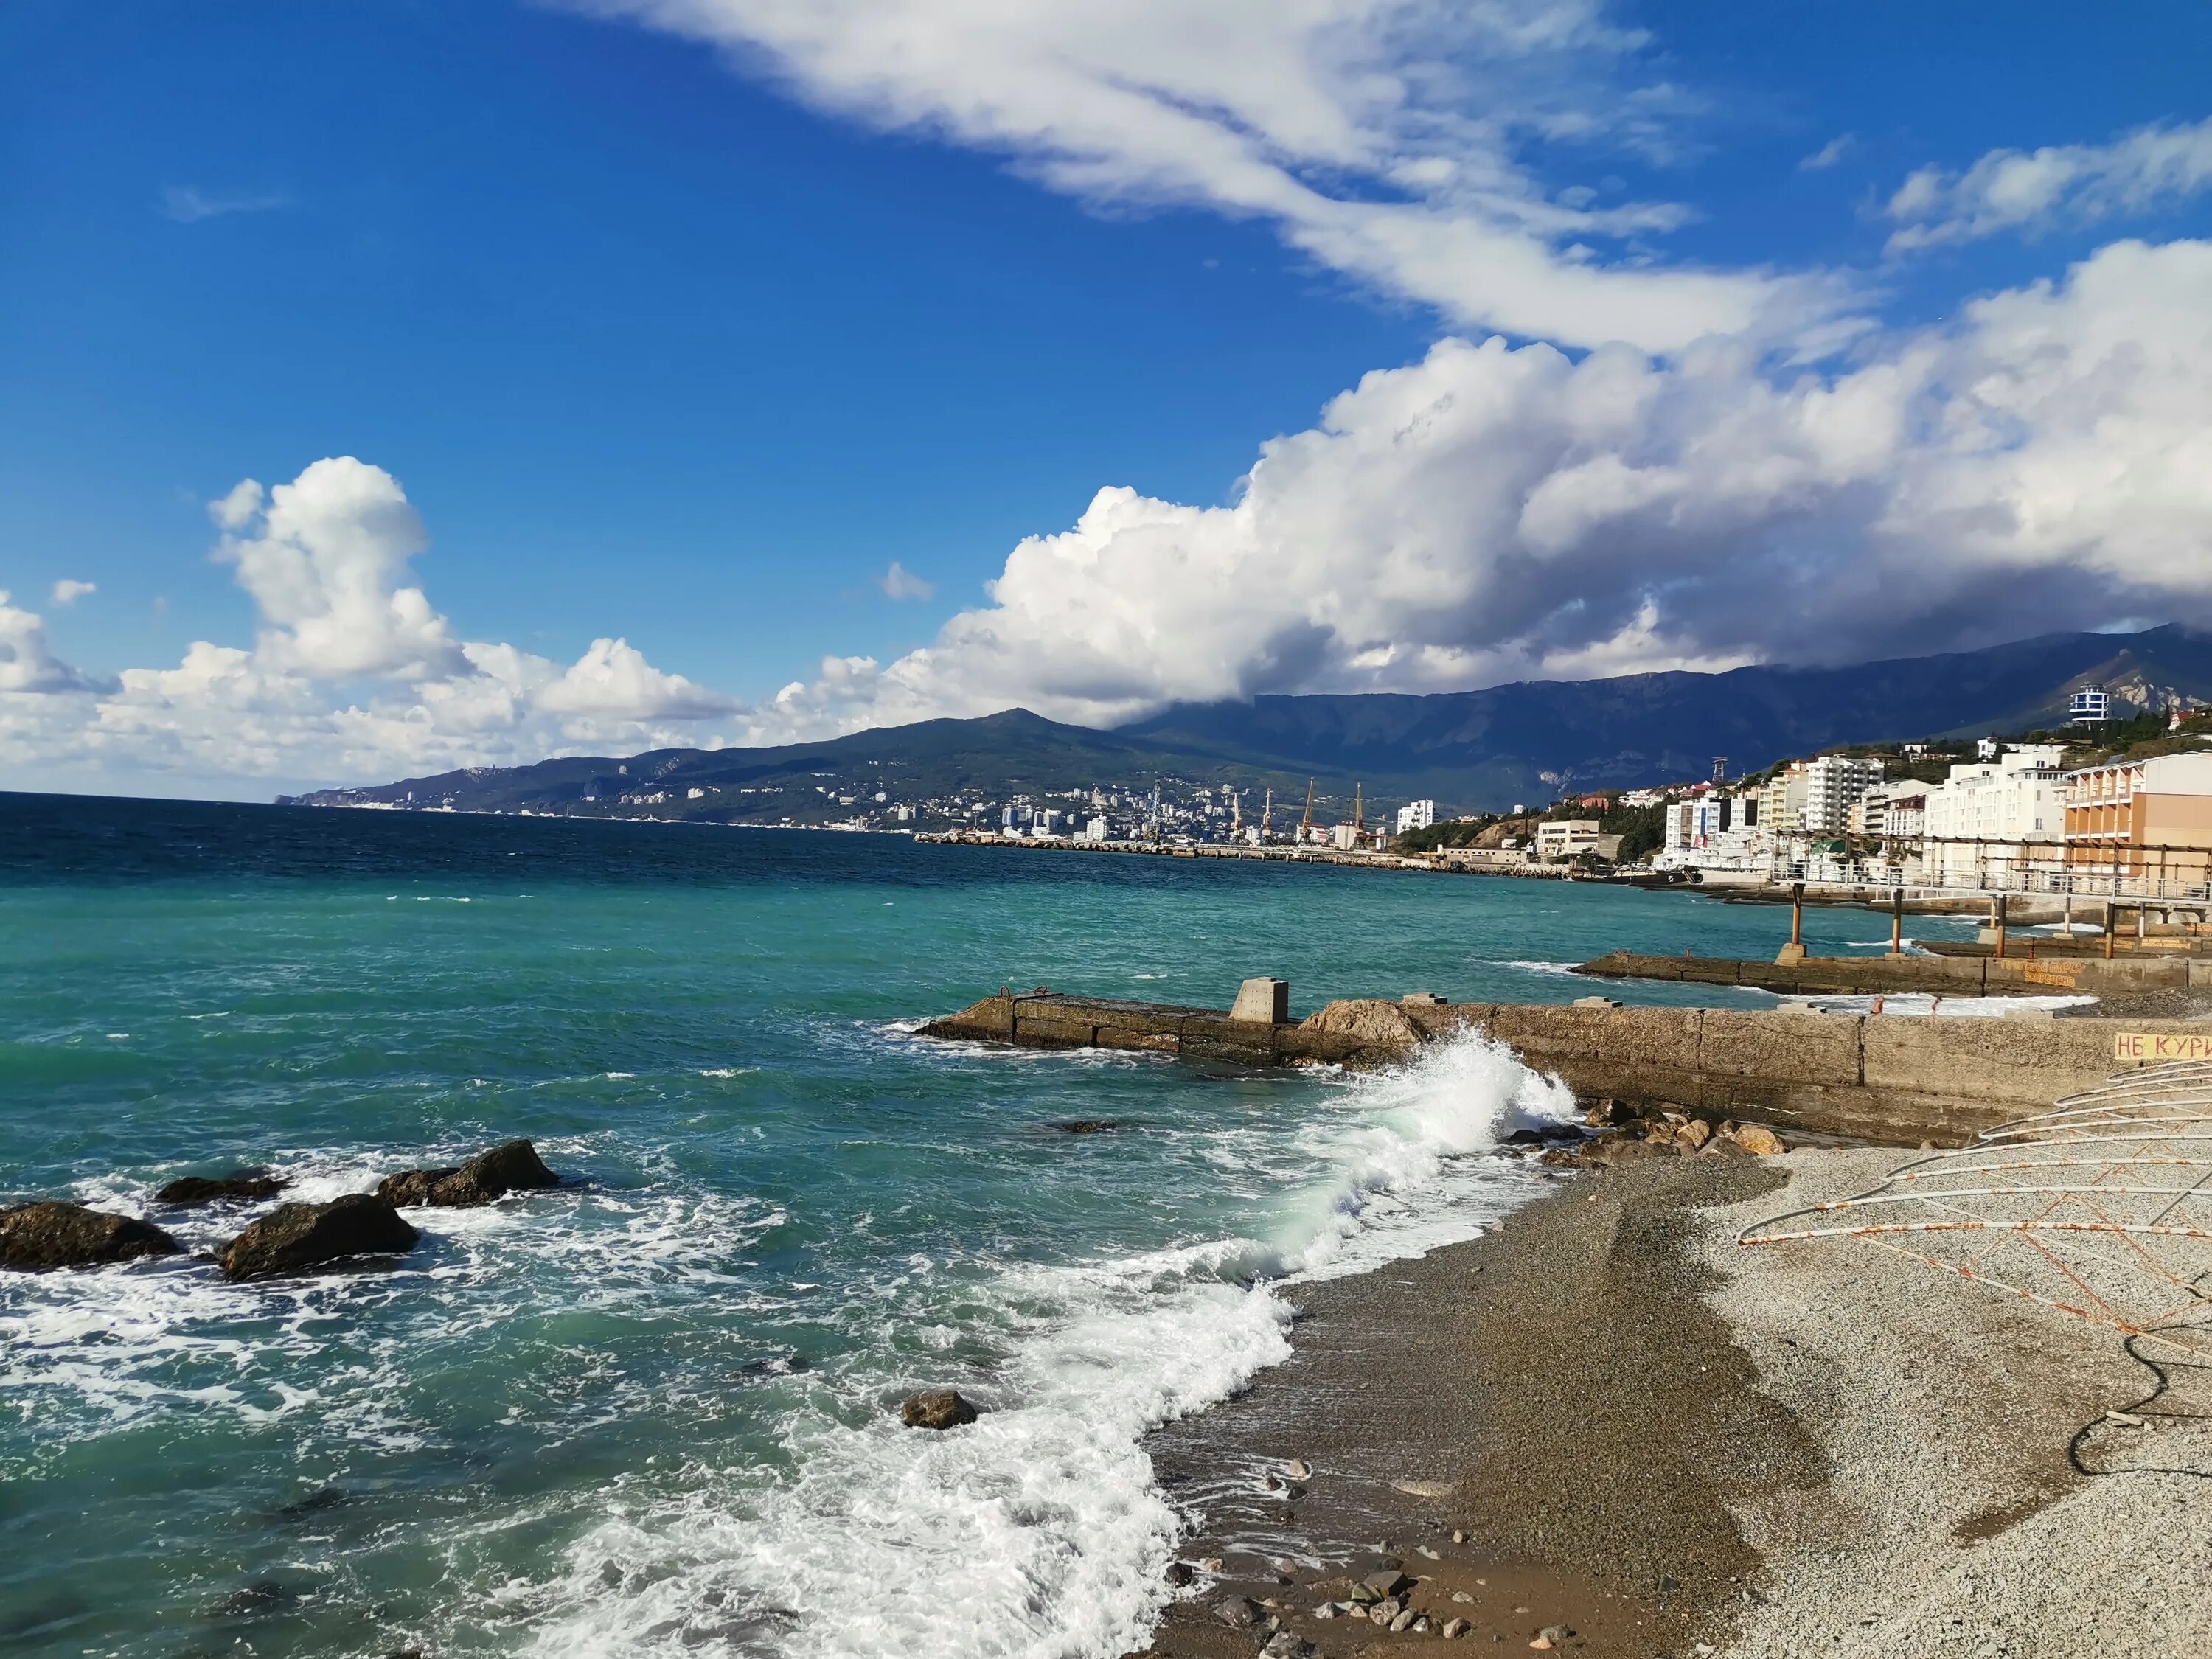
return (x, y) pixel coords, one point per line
(655, 1411)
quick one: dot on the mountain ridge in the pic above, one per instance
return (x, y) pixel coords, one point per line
(1487, 749)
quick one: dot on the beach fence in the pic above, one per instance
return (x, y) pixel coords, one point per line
(2100, 1209)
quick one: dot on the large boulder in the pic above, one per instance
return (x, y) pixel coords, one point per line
(1373, 1023)
(937, 1409)
(1759, 1140)
(238, 1185)
(34, 1236)
(297, 1238)
(511, 1166)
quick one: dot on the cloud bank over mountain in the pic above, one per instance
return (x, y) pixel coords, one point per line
(1497, 512)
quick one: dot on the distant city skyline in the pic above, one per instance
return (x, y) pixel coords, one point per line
(394, 389)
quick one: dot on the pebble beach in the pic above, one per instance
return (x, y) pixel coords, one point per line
(1607, 1428)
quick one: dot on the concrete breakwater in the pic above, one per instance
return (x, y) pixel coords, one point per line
(1946, 976)
(1889, 1078)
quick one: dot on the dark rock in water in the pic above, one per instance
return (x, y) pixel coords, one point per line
(213, 1189)
(323, 1498)
(295, 1239)
(1088, 1126)
(508, 1167)
(412, 1187)
(34, 1236)
(1523, 1138)
(1180, 1573)
(1239, 1612)
(262, 1595)
(784, 1364)
(937, 1409)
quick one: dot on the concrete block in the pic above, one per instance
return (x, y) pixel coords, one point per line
(1781, 1045)
(1134, 1016)
(1054, 1033)
(1627, 1040)
(1266, 1001)
(1119, 1036)
(2024, 1066)
(1245, 1053)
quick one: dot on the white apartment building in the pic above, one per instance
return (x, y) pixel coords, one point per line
(1985, 822)
(1565, 838)
(1712, 828)
(1416, 815)
(1095, 831)
(1886, 809)
(1834, 784)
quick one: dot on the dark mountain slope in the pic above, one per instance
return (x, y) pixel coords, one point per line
(1468, 750)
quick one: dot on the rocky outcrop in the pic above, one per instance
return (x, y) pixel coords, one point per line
(1373, 1024)
(410, 1188)
(297, 1238)
(511, 1166)
(937, 1409)
(35, 1237)
(238, 1186)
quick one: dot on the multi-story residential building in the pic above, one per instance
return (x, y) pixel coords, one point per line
(2140, 819)
(1416, 815)
(1989, 820)
(1891, 811)
(1834, 784)
(1713, 829)
(1566, 838)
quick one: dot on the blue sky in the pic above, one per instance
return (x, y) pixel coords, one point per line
(676, 322)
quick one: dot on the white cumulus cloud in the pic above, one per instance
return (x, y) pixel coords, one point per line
(353, 675)
(2009, 189)
(1384, 139)
(68, 591)
(900, 583)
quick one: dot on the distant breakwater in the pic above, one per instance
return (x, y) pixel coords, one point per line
(1898, 1079)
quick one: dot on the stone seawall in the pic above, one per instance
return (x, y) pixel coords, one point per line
(1965, 976)
(1898, 1079)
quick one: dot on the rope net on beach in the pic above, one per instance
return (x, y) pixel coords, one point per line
(2100, 1207)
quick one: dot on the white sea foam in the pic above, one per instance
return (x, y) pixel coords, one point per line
(87, 1353)
(1558, 968)
(1037, 1531)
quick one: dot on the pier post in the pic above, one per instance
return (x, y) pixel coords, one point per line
(1897, 921)
(2111, 921)
(1998, 905)
(1794, 952)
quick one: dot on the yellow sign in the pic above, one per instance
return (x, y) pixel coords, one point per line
(2149, 1047)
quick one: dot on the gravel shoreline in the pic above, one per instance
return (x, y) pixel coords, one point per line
(1608, 1427)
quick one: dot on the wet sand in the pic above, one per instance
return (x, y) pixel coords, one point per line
(1555, 1392)
(1655, 1443)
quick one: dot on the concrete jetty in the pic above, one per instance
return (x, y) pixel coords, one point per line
(1945, 975)
(1889, 1078)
